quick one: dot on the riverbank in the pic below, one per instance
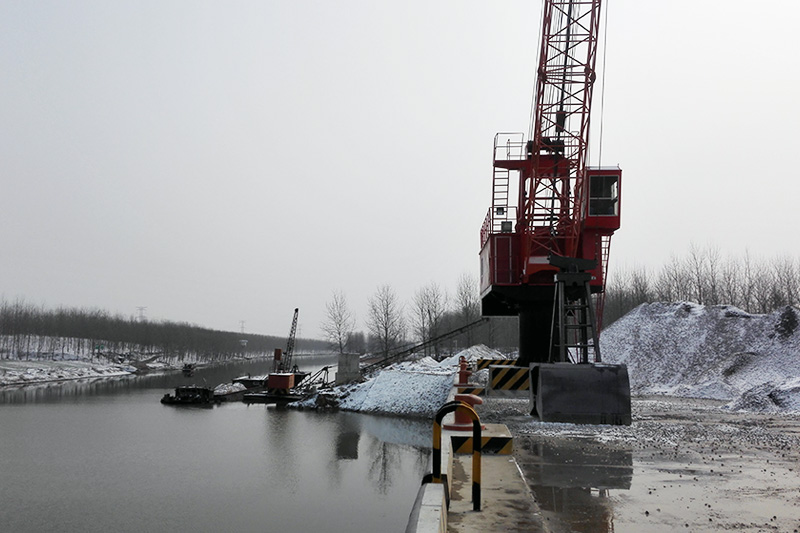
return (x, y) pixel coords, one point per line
(65, 368)
(16, 372)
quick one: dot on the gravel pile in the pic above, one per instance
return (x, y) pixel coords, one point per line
(720, 352)
(410, 389)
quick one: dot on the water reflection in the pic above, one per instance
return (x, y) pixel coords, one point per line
(409, 431)
(367, 450)
(384, 434)
(235, 467)
(347, 437)
(386, 463)
(390, 447)
(572, 479)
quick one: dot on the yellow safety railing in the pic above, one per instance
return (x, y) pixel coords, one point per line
(437, 476)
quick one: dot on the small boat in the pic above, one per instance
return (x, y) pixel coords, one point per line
(188, 369)
(191, 395)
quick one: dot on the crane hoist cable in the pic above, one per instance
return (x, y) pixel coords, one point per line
(603, 87)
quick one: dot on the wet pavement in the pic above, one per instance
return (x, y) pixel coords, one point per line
(683, 465)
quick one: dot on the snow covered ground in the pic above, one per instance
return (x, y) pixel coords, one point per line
(411, 388)
(73, 358)
(16, 372)
(679, 349)
(720, 352)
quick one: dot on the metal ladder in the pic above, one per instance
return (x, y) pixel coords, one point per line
(500, 186)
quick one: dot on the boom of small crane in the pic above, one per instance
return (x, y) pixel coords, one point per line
(544, 254)
(287, 360)
(283, 359)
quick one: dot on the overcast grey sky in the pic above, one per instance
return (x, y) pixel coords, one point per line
(227, 161)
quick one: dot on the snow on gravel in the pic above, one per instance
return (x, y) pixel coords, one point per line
(474, 353)
(657, 423)
(404, 392)
(411, 388)
(229, 388)
(718, 352)
(680, 349)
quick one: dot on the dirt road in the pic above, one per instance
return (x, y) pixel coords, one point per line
(683, 464)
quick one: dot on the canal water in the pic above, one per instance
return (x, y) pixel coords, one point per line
(106, 455)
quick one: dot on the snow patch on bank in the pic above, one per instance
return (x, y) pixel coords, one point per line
(16, 372)
(410, 388)
(403, 392)
(718, 352)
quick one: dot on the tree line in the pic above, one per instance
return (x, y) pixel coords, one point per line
(392, 324)
(705, 277)
(34, 331)
(702, 276)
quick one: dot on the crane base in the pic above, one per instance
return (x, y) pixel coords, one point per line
(589, 393)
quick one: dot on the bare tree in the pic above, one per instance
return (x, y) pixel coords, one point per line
(731, 283)
(786, 280)
(763, 296)
(748, 285)
(696, 264)
(339, 323)
(385, 320)
(640, 285)
(467, 304)
(663, 286)
(357, 342)
(430, 306)
(712, 275)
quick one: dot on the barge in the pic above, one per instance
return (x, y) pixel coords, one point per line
(190, 395)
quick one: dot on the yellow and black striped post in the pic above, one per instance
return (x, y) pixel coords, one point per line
(450, 407)
(493, 444)
(477, 391)
(509, 378)
(486, 363)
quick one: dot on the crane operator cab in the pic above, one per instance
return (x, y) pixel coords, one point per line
(604, 197)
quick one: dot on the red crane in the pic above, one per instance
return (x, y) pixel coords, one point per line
(544, 253)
